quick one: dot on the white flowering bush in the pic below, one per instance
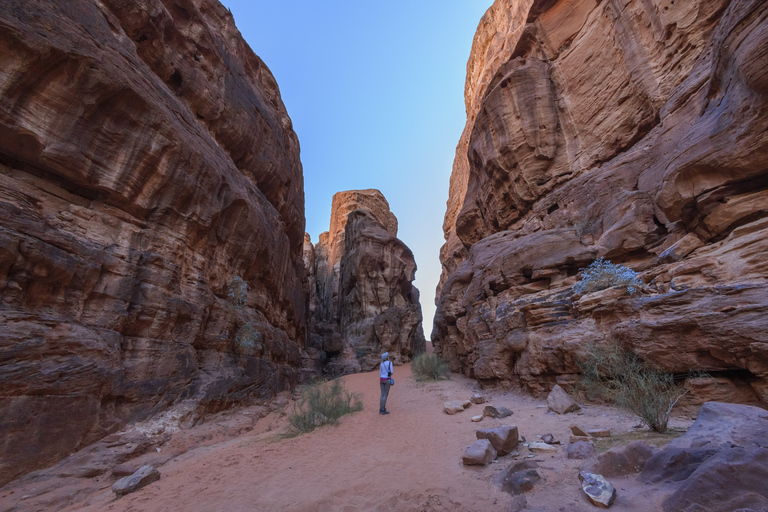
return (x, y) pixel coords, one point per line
(602, 274)
(237, 292)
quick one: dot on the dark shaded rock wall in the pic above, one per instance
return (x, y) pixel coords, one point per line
(634, 131)
(146, 159)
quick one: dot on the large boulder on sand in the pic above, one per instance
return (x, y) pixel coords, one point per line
(560, 402)
(622, 460)
(479, 453)
(721, 462)
(504, 439)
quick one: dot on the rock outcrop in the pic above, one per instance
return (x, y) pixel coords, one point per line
(146, 160)
(362, 301)
(633, 131)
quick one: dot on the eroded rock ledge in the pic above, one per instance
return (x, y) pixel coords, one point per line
(362, 301)
(634, 131)
(146, 159)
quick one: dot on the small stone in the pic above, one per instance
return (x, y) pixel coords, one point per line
(549, 439)
(598, 490)
(144, 476)
(578, 431)
(496, 412)
(477, 399)
(455, 406)
(576, 439)
(479, 453)
(504, 439)
(477, 418)
(560, 402)
(599, 432)
(542, 447)
(581, 450)
(529, 456)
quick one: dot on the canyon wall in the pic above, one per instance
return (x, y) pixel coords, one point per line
(362, 301)
(146, 161)
(632, 130)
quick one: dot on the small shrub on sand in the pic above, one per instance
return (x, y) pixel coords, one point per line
(323, 403)
(615, 374)
(602, 274)
(429, 367)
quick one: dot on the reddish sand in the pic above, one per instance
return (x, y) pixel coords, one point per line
(409, 460)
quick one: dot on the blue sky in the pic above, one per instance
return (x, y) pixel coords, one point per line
(375, 91)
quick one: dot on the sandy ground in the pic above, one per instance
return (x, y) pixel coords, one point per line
(409, 460)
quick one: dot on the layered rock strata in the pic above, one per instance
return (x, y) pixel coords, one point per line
(146, 160)
(362, 301)
(633, 131)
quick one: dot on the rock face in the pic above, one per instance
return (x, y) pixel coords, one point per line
(146, 160)
(632, 131)
(362, 301)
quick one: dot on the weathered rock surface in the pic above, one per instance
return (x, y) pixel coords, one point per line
(581, 450)
(479, 453)
(146, 159)
(455, 406)
(143, 476)
(504, 439)
(363, 302)
(518, 478)
(633, 131)
(721, 462)
(497, 412)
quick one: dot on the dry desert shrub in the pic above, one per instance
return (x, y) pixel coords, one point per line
(323, 403)
(618, 375)
(429, 367)
(247, 339)
(602, 274)
(237, 292)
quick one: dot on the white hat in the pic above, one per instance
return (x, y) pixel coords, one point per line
(384, 355)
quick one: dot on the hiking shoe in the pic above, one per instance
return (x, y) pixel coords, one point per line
(383, 412)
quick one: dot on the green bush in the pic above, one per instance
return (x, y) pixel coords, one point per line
(429, 367)
(618, 375)
(323, 404)
(237, 292)
(247, 339)
(602, 274)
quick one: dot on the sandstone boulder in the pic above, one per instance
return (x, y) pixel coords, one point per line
(496, 412)
(504, 439)
(144, 476)
(560, 402)
(455, 406)
(599, 491)
(539, 447)
(479, 453)
(581, 450)
(622, 460)
(518, 478)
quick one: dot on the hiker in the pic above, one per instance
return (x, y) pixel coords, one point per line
(385, 378)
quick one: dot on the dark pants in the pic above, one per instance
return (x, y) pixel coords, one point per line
(384, 394)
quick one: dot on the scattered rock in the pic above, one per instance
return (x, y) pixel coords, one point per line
(478, 418)
(542, 447)
(144, 476)
(456, 406)
(479, 453)
(560, 402)
(598, 490)
(581, 450)
(578, 431)
(477, 399)
(599, 432)
(577, 439)
(520, 477)
(496, 412)
(504, 439)
(518, 504)
(622, 460)
(549, 439)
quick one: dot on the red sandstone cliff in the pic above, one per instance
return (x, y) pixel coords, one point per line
(146, 159)
(362, 302)
(630, 130)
